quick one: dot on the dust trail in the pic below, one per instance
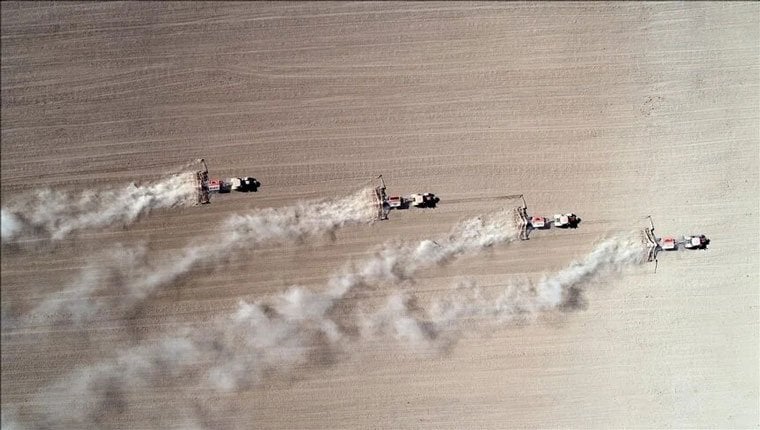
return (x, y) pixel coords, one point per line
(301, 326)
(80, 301)
(243, 348)
(55, 214)
(8, 420)
(395, 262)
(10, 225)
(87, 396)
(298, 326)
(133, 276)
(295, 327)
(441, 323)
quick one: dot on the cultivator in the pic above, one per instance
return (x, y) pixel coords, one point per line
(520, 218)
(652, 246)
(201, 183)
(381, 199)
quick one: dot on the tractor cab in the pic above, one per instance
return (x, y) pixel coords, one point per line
(696, 242)
(424, 200)
(245, 184)
(568, 220)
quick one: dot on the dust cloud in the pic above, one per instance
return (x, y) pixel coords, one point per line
(55, 214)
(303, 326)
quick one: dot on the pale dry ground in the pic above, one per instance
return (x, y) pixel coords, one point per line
(614, 111)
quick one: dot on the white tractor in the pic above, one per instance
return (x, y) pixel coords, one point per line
(245, 184)
(424, 200)
(670, 243)
(696, 242)
(568, 220)
(385, 203)
(206, 185)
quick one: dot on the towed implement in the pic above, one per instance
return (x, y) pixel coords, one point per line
(530, 223)
(206, 186)
(202, 183)
(670, 243)
(385, 203)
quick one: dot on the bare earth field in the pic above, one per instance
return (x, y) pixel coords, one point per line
(613, 111)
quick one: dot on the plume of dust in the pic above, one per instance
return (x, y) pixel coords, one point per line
(8, 420)
(88, 395)
(10, 225)
(300, 324)
(395, 262)
(57, 214)
(135, 277)
(80, 302)
(440, 325)
(297, 324)
(297, 327)
(293, 328)
(255, 340)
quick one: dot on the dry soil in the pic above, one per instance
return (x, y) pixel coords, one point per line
(614, 111)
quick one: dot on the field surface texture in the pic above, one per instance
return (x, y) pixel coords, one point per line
(124, 306)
